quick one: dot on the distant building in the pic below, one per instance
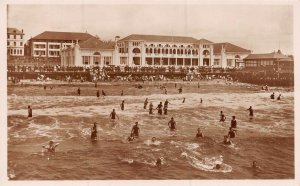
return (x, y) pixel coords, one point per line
(15, 42)
(90, 52)
(49, 43)
(229, 55)
(272, 60)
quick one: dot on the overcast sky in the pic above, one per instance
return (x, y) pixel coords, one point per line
(261, 28)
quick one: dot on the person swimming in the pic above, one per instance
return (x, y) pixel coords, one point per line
(159, 108)
(151, 108)
(222, 116)
(51, 147)
(167, 103)
(122, 105)
(233, 122)
(98, 93)
(158, 162)
(201, 100)
(227, 140)
(122, 93)
(153, 139)
(94, 132)
(199, 134)
(250, 112)
(78, 91)
(279, 97)
(145, 103)
(113, 115)
(103, 93)
(165, 110)
(272, 96)
(29, 111)
(172, 124)
(180, 90)
(135, 130)
(183, 100)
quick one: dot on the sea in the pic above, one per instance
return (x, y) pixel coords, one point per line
(62, 116)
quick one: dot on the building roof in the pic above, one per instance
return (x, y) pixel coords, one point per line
(14, 31)
(229, 48)
(62, 36)
(160, 38)
(203, 41)
(95, 43)
(273, 55)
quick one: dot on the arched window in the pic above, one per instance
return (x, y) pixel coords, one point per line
(147, 50)
(181, 46)
(155, 50)
(178, 51)
(181, 52)
(158, 51)
(159, 45)
(96, 53)
(167, 45)
(175, 46)
(167, 51)
(205, 52)
(174, 51)
(185, 51)
(170, 51)
(151, 51)
(189, 46)
(193, 52)
(136, 50)
(152, 45)
(196, 52)
(163, 51)
(189, 51)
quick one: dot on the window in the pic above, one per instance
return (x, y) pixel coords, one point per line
(21, 36)
(7, 43)
(123, 60)
(15, 36)
(85, 60)
(21, 44)
(151, 51)
(107, 60)
(147, 50)
(14, 51)
(229, 62)
(96, 60)
(15, 43)
(21, 52)
(216, 62)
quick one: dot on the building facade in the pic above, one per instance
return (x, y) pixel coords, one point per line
(49, 43)
(153, 50)
(271, 60)
(15, 42)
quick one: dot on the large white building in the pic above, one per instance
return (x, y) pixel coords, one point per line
(153, 50)
(49, 43)
(15, 42)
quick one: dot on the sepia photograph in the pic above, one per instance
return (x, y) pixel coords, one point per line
(173, 91)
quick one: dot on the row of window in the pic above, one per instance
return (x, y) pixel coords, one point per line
(171, 51)
(253, 63)
(87, 60)
(16, 51)
(14, 36)
(14, 43)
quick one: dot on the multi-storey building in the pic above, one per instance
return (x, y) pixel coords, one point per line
(49, 44)
(154, 50)
(15, 42)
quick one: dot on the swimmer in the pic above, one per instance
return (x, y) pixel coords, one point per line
(122, 105)
(158, 162)
(172, 124)
(98, 94)
(227, 140)
(180, 90)
(166, 92)
(103, 93)
(165, 110)
(51, 147)
(113, 115)
(122, 93)
(135, 130)
(151, 108)
(29, 111)
(199, 134)
(94, 132)
(78, 91)
(233, 122)
(218, 166)
(201, 100)
(250, 112)
(145, 103)
(222, 116)
(159, 108)
(279, 97)
(45, 87)
(183, 100)
(272, 96)
(167, 103)
(153, 139)
(255, 166)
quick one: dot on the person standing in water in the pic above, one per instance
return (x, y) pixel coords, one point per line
(94, 132)
(151, 108)
(222, 116)
(78, 91)
(183, 100)
(29, 111)
(159, 108)
(145, 103)
(272, 96)
(233, 123)
(250, 112)
(172, 124)
(180, 90)
(199, 134)
(135, 130)
(231, 133)
(122, 93)
(165, 110)
(51, 147)
(166, 92)
(201, 100)
(122, 105)
(167, 103)
(113, 115)
(279, 97)
(103, 93)
(98, 94)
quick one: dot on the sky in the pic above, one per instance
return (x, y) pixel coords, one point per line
(260, 28)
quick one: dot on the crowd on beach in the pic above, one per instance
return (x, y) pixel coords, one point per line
(162, 109)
